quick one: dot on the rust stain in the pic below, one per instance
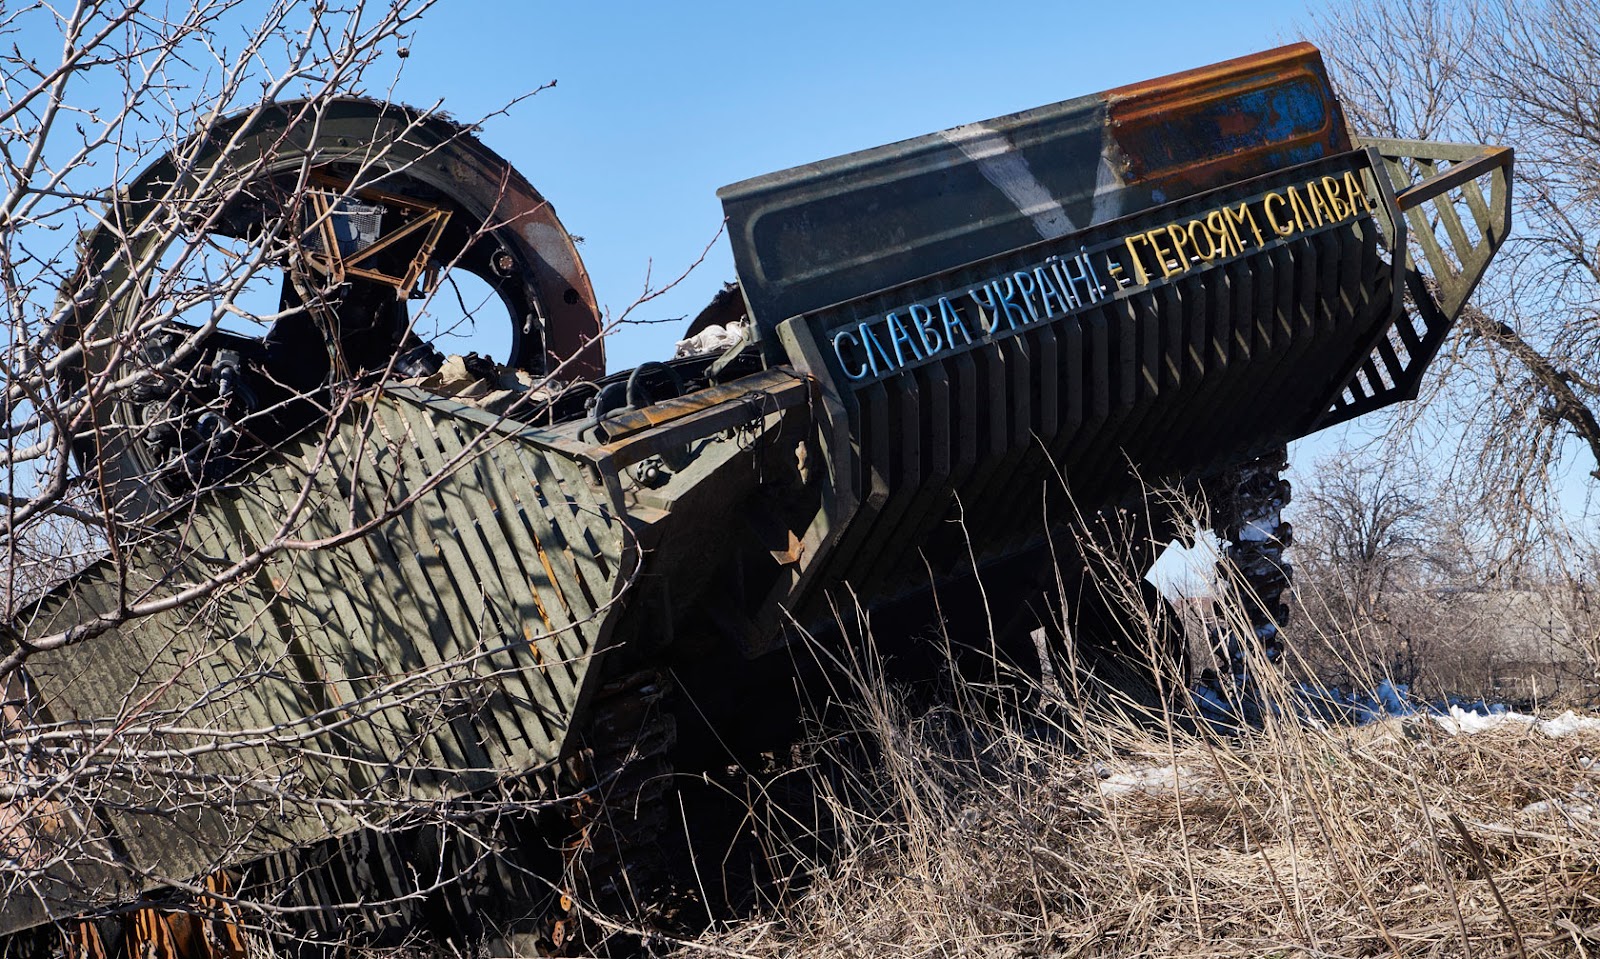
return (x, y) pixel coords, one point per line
(555, 584)
(625, 423)
(533, 647)
(1187, 81)
(1198, 129)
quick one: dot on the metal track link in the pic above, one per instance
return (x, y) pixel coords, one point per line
(1247, 504)
(619, 860)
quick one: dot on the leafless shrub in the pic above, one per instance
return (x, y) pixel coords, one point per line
(1512, 410)
(1397, 574)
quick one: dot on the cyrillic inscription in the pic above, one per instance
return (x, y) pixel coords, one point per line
(1062, 285)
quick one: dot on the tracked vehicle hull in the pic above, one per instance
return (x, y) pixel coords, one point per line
(955, 348)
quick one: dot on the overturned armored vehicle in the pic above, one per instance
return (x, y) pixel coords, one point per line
(350, 581)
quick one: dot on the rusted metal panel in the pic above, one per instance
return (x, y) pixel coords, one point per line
(1226, 122)
(621, 424)
(827, 232)
(668, 426)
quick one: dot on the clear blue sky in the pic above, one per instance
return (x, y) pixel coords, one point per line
(657, 105)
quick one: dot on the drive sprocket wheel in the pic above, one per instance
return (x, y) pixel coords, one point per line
(352, 209)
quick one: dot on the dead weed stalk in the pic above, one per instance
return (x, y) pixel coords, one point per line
(1031, 822)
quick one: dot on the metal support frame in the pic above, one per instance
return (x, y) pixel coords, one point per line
(427, 219)
(1437, 190)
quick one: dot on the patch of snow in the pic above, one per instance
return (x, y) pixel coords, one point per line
(1152, 781)
(1323, 706)
(1570, 722)
(1460, 721)
(1574, 811)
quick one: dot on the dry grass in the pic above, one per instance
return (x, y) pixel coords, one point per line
(1048, 829)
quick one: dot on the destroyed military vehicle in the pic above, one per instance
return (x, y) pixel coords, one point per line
(369, 580)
